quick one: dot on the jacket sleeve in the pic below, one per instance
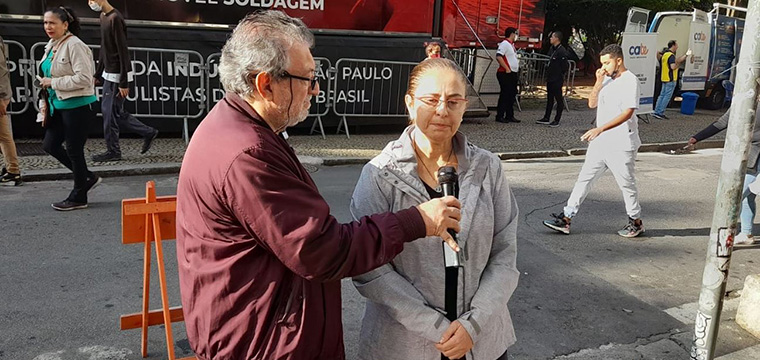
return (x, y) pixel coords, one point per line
(288, 217)
(119, 29)
(500, 276)
(714, 128)
(385, 286)
(5, 76)
(80, 57)
(564, 58)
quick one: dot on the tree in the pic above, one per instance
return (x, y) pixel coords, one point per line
(603, 21)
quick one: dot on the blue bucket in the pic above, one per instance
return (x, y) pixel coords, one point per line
(689, 103)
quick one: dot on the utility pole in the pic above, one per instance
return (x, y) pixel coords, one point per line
(730, 186)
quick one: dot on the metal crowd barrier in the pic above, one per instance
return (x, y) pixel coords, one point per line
(533, 69)
(364, 88)
(320, 104)
(18, 69)
(168, 83)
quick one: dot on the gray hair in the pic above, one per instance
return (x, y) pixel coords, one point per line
(260, 43)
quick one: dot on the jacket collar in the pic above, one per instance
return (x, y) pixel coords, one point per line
(238, 104)
(402, 150)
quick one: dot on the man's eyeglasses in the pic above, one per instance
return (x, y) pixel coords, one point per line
(313, 81)
(455, 104)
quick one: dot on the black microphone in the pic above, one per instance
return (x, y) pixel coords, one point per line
(449, 182)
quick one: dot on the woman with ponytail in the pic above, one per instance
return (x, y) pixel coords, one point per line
(67, 70)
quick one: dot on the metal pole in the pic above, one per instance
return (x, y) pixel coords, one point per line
(729, 194)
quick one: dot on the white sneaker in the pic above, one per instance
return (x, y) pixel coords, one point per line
(744, 239)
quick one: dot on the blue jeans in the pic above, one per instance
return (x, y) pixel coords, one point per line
(747, 215)
(665, 94)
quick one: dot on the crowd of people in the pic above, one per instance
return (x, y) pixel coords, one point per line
(67, 76)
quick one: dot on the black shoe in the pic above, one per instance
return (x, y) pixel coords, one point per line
(3, 171)
(92, 183)
(631, 229)
(502, 120)
(554, 124)
(658, 116)
(665, 117)
(559, 223)
(514, 120)
(10, 179)
(106, 156)
(543, 122)
(68, 205)
(148, 142)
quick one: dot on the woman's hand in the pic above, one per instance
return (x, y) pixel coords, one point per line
(455, 342)
(46, 82)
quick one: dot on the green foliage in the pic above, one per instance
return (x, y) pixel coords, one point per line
(603, 21)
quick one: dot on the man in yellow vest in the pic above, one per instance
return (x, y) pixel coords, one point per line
(669, 66)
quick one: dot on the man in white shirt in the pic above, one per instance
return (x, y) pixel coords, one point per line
(613, 143)
(507, 74)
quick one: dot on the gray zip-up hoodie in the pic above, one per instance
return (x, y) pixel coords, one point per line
(404, 313)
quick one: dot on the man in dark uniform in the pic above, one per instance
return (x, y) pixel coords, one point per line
(555, 77)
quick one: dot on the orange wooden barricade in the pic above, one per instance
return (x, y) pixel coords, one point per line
(144, 220)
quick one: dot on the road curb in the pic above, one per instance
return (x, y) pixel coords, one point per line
(173, 168)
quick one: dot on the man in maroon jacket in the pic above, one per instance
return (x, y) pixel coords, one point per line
(260, 257)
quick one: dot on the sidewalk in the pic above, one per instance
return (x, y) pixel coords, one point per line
(510, 141)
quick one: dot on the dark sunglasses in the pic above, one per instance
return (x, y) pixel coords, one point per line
(313, 81)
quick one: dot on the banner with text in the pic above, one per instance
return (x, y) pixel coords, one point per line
(640, 54)
(697, 65)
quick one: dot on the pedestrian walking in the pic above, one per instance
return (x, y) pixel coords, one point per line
(613, 143)
(507, 75)
(260, 258)
(10, 174)
(749, 206)
(555, 78)
(114, 72)
(669, 65)
(67, 69)
(402, 319)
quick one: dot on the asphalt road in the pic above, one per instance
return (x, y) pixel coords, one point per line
(66, 277)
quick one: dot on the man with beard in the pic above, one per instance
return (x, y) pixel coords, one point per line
(260, 257)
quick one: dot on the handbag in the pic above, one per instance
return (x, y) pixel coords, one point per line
(43, 116)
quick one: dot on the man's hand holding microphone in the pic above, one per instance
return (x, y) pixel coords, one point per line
(440, 215)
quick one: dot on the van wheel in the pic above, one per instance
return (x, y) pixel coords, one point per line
(716, 99)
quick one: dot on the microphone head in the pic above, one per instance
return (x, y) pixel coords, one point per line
(447, 174)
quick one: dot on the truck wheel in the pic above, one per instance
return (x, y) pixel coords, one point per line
(716, 99)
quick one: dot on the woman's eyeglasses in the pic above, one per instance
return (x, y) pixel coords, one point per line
(312, 81)
(455, 104)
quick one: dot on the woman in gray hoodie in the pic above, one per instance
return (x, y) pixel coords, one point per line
(404, 316)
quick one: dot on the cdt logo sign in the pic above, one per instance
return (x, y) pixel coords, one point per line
(700, 36)
(638, 50)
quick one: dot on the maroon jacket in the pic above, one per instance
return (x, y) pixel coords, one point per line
(260, 257)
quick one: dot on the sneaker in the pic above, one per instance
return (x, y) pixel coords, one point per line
(658, 116)
(10, 179)
(631, 229)
(92, 183)
(148, 142)
(543, 121)
(744, 239)
(560, 223)
(665, 117)
(514, 120)
(554, 124)
(68, 205)
(106, 156)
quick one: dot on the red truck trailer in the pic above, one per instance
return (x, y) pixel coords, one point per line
(383, 30)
